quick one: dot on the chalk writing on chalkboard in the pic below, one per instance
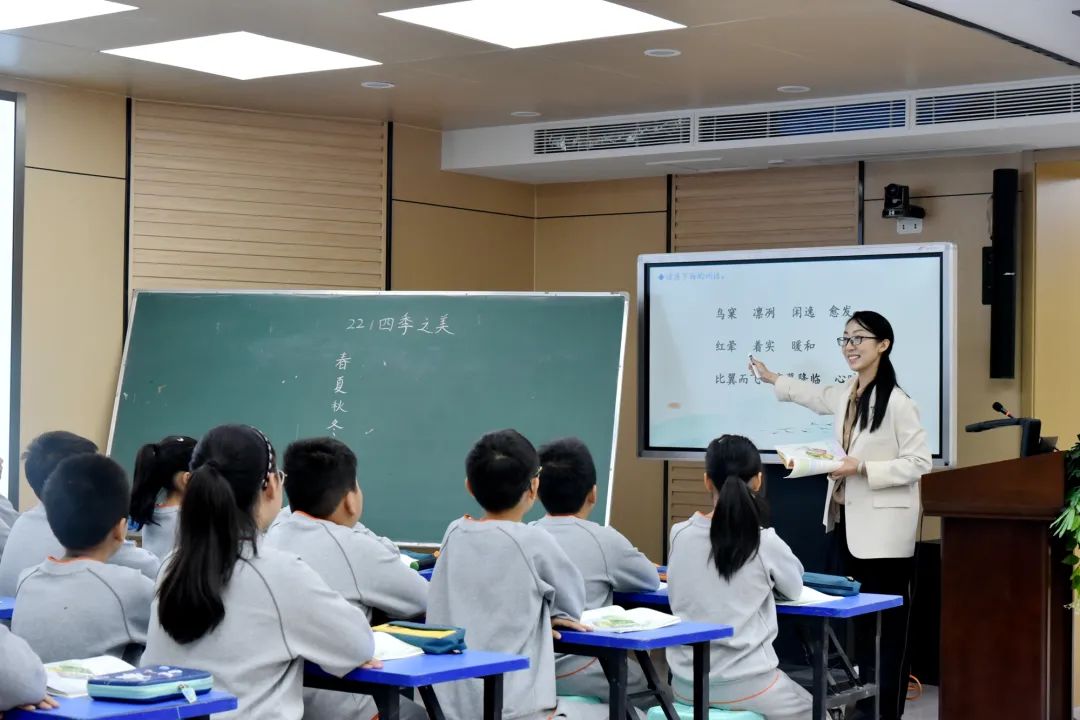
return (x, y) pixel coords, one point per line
(405, 323)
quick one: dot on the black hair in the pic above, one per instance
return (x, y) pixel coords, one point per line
(731, 463)
(500, 468)
(156, 468)
(48, 450)
(883, 383)
(231, 465)
(568, 476)
(85, 498)
(318, 474)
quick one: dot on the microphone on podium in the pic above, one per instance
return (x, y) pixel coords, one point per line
(998, 407)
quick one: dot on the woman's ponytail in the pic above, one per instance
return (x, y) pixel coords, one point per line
(156, 468)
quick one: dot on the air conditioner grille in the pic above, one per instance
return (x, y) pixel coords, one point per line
(998, 104)
(612, 136)
(876, 115)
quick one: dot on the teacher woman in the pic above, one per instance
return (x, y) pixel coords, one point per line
(872, 507)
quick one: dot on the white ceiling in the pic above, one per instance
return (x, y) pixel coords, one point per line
(734, 52)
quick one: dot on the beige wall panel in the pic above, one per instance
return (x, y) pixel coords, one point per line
(936, 176)
(73, 130)
(602, 198)
(239, 199)
(73, 280)
(419, 178)
(599, 253)
(437, 248)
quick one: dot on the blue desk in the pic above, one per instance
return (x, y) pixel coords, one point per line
(612, 650)
(85, 708)
(7, 608)
(421, 673)
(820, 639)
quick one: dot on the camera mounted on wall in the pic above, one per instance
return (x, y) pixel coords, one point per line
(898, 207)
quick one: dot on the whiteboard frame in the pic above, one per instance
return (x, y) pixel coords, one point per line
(395, 293)
(947, 251)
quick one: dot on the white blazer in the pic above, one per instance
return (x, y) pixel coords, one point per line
(882, 507)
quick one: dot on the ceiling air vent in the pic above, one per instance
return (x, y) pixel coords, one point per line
(612, 136)
(853, 117)
(997, 104)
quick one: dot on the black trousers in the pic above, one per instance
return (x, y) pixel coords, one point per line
(887, 576)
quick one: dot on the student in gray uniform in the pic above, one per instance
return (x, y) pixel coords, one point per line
(286, 513)
(326, 502)
(31, 539)
(8, 514)
(724, 568)
(507, 584)
(238, 608)
(606, 559)
(161, 474)
(77, 606)
(22, 682)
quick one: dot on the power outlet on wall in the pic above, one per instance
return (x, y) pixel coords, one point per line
(908, 226)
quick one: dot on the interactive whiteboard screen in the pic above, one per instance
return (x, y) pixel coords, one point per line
(702, 314)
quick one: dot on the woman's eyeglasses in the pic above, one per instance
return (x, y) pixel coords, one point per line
(854, 340)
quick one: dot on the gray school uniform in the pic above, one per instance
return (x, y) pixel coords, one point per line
(286, 513)
(366, 573)
(83, 608)
(160, 538)
(8, 516)
(278, 613)
(609, 563)
(503, 582)
(32, 541)
(22, 681)
(744, 671)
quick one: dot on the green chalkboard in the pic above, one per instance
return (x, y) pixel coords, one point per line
(419, 377)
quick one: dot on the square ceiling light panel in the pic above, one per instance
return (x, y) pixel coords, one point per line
(243, 56)
(16, 14)
(529, 23)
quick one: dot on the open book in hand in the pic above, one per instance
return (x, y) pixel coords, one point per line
(68, 677)
(813, 458)
(616, 619)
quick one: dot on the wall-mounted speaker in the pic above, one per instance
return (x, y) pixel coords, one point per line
(999, 273)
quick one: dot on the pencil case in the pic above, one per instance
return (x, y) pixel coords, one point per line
(832, 584)
(150, 684)
(432, 639)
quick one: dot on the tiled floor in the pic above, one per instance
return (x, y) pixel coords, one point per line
(925, 708)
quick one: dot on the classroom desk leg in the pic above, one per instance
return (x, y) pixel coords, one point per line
(493, 697)
(388, 700)
(653, 681)
(702, 660)
(614, 664)
(821, 675)
(877, 668)
(431, 703)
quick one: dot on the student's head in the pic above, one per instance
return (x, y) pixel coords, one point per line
(733, 475)
(502, 471)
(86, 502)
(320, 480)
(233, 494)
(161, 473)
(568, 480)
(867, 344)
(48, 450)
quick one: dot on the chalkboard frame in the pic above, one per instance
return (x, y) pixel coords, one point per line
(398, 293)
(948, 402)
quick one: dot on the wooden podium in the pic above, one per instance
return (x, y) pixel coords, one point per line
(1006, 635)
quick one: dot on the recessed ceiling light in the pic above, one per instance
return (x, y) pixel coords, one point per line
(525, 113)
(663, 52)
(243, 56)
(377, 85)
(529, 23)
(14, 14)
(793, 89)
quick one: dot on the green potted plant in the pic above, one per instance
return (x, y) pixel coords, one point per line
(1067, 525)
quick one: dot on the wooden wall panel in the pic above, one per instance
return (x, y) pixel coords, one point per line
(228, 198)
(780, 207)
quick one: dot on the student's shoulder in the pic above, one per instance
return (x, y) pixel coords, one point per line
(771, 540)
(121, 577)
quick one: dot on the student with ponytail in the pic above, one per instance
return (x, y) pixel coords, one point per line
(725, 567)
(161, 474)
(243, 611)
(872, 505)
